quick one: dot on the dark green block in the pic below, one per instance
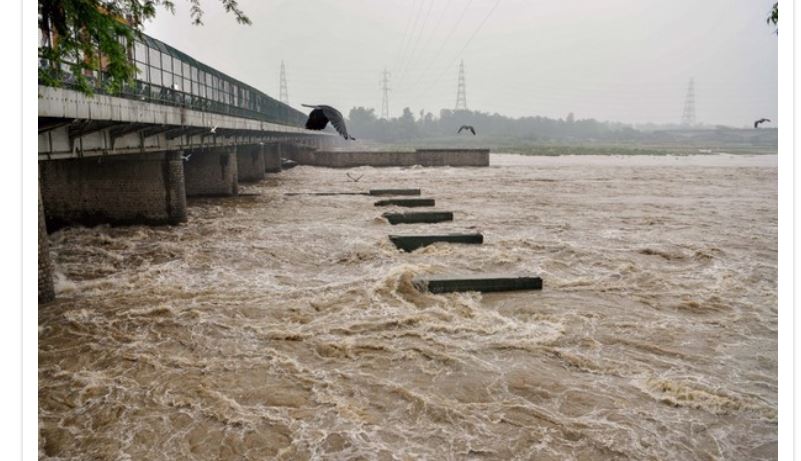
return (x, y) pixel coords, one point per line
(394, 191)
(413, 242)
(483, 284)
(419, 217)
(407, 202)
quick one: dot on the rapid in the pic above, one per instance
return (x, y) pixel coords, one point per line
(274, 326)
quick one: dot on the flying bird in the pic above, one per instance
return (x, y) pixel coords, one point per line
(321, 115)
(467, 127)
(186, 157)
(352, 178)
(213, 129)
(762, 120)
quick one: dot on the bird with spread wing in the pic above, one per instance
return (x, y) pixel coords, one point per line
(321, 115)
(762, 120)
(467, 127)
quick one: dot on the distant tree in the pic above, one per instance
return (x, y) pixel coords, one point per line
(86, 36)
(774, 15)
(570, 118)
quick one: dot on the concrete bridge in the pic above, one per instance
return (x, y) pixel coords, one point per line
(181, 129)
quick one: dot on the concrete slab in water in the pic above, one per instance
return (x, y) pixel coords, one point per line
(419, 217)
(413, 242)
(478, 283)
(394, 191)
(407, 202)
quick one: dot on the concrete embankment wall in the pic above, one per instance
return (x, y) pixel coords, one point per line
(423, 157)
(130, 189)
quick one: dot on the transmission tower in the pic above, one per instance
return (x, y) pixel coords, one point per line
(461, 93)
(384, 83)
(284, 93)
(688, 115)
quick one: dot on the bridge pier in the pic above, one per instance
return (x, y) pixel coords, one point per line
(129, 189)
(212, 172)
(250, 163)
(46, 289)
(272, 158)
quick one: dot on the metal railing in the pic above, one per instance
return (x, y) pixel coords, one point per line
(168, 76)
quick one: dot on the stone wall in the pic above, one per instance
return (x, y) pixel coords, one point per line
(46, 290)
(250, 163)
(130, 189)
(211, 172)
(423, 157)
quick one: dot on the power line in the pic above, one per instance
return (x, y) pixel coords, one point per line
(465, 46)
(409, 57)
(402, 45)
(444, 42)
(402, 57)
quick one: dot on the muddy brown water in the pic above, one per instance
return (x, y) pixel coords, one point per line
(287, 327)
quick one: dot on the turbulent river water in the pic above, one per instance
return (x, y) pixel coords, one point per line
(274, 326)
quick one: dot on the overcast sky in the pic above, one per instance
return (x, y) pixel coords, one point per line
(620, 60)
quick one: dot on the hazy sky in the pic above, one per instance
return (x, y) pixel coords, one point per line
(621, 60)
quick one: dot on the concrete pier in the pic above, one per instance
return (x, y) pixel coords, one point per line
(413, 242)
(130, 189)
(478, 283)
(406, 202)
(212, 172)
(419, 217)
(250, 163)
(46, 289)
(272, 158)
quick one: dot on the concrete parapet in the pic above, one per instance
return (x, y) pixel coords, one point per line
(250, 163)
(453, 157)
(131, 189)
(46, 290)
(212, 172)
(423, 157)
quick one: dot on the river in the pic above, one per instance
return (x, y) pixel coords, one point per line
(274, 326)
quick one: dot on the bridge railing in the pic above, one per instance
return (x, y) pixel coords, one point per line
(168, 76)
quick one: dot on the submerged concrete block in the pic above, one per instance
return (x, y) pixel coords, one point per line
(406, 202)
(394, 191)
(413, 242)
(419, 217)
(483, 284)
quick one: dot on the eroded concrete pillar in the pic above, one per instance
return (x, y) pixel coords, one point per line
(250, 163)
(211, 172)
(124, 189)
(46, 290)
